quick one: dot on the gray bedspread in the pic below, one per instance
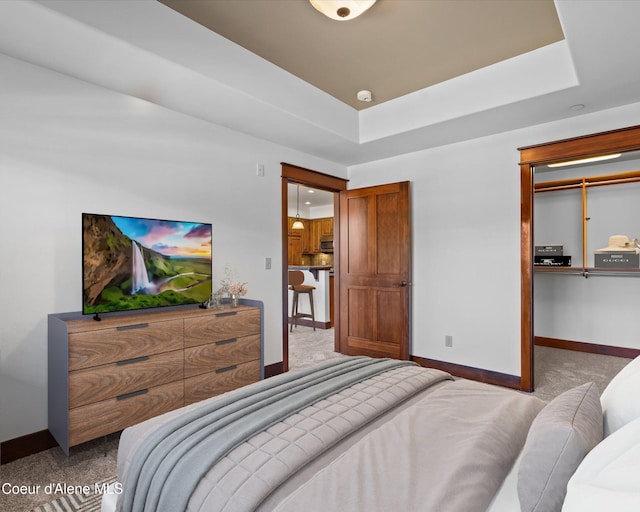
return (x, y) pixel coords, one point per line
(171, 464)
(449, 452)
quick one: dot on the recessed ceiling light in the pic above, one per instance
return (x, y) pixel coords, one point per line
(576, 107)
(312, 191)
(307, 202)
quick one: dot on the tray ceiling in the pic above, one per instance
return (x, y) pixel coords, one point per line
(395, 48)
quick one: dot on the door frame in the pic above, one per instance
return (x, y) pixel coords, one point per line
(300, 175)
(602, 143)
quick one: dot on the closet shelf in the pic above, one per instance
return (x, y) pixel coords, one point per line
(585, 183)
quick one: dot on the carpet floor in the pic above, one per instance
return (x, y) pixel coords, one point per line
(555, 371)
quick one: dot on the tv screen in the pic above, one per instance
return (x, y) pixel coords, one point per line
(133, 263)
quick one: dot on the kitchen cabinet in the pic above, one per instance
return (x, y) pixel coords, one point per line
(298, 241)
(307, 240)
(318, 228)
(305, 237)
(314, 236)
(294, 252)
(326, 226)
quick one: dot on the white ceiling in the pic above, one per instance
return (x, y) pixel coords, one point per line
(145, 49)
(314, 203)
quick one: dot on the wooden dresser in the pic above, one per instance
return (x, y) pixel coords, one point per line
(108, 375)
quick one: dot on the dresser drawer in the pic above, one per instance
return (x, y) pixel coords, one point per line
(221, 354)
(109, 381)
(220, 381)
(102, 418)
(93, 348)
(224, 325)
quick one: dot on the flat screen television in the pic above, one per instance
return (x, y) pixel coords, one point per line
(131, 263)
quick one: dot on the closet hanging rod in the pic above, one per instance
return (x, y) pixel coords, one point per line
(587, 272)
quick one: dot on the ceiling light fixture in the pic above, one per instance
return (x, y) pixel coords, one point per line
(342, 10)
(586, 160)
(297, 224)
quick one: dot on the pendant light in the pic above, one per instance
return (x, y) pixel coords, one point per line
(297, 223)
(342, 10)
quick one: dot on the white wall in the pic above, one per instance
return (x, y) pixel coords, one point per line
(466, 239)
(66, 147)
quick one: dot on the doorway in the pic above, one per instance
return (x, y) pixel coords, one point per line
(311, 260)
(623, 140)
(299, 181)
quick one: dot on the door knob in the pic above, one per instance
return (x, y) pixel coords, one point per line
(403, 283)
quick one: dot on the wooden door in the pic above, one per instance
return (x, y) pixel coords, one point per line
(375, 271)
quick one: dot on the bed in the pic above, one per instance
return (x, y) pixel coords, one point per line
(362, 434)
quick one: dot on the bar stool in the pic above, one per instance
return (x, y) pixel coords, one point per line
(296, 278)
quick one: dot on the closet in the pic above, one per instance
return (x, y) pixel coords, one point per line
(579, 206)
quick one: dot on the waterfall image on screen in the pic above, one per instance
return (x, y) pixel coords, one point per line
(139, 276)
(134, 263)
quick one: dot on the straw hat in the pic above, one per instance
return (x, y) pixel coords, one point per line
(620, 243)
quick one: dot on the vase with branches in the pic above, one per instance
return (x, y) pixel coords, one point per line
(233, 286)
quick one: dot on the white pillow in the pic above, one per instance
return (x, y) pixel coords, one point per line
(609, 476)
(621, 398)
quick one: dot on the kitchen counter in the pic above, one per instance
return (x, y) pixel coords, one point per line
(318, 277)
(314, 269)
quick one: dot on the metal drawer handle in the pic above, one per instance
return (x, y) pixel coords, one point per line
(132, 360)
(226, 342)
(227, 369)
(228, 313)
(133, 326)
(132, 394)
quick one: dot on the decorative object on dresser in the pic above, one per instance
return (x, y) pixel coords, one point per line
(233, 287)
(104, 377)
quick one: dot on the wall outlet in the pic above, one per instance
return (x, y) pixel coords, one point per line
(448, 341)
(260, 170)
(267, 263)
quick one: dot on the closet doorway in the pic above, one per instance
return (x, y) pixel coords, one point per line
(622, 141)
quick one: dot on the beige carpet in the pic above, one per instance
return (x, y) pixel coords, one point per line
(52, 469)
(555, 371)
(308, 347)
